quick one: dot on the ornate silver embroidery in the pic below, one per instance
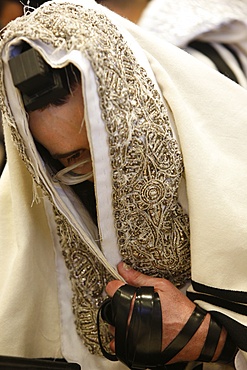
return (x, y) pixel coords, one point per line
(152, 230)
(88, 279)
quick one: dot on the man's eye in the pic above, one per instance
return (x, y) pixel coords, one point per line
(75, 157)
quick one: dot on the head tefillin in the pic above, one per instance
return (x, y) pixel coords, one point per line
(39, 83)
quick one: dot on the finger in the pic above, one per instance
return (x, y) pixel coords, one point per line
(112, 345)
(136, 278)
(113, 286)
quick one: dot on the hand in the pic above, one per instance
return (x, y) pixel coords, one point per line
(176, 310)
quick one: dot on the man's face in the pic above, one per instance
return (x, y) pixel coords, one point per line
(62, 132)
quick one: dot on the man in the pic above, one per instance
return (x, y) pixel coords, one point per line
(141, 125)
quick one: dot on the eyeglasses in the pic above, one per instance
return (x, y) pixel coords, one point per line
(68, 176)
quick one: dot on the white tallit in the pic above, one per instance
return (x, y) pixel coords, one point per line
(142, 99)
(183, 21)
(221, 25)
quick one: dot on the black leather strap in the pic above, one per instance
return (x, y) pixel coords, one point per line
(229, 351)
(137, 317)
(211, 341)
(121, 305)
(184, 336)
(105, 312)
(145, 329)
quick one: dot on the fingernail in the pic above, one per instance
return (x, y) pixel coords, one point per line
(126, 267)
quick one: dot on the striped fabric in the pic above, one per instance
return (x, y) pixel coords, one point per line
(228, 60)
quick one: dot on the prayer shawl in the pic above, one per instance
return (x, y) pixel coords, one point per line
(212, 31)
(182, 21)
(167, 139)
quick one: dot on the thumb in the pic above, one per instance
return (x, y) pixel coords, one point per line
(136, 278)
